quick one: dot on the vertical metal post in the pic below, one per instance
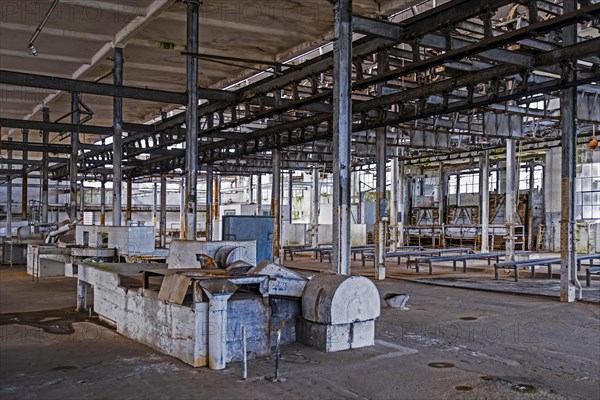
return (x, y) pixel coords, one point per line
(163, 211)
(342, 131)
(259, 194)
(182, 208)
(251, 189)
(24, 181)
(290, 195)
(394, 196)
(9, 195)
(74, 155)
(216, 203)
(129, 211)
(209, 203)
(117, 139)
(381, 212)
(443, 179)
(191, 121)
(314, 210)
(44, 182)
(403, 197)
(510, 199)
(568, 102)
(81, 198)
(530, 206)
(276, 202)
(155, 207)
(484, 202)
(103, 201)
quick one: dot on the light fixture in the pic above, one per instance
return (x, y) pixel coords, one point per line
(33, 50)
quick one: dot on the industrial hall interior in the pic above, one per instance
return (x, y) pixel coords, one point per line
(317, 199)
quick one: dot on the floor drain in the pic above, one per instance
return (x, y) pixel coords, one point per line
(523, 388)
(441, 365)
(468, 318)
(463, 388)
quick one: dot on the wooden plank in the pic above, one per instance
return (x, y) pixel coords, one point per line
(174, 288)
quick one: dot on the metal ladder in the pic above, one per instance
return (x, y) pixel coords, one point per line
(541, 238)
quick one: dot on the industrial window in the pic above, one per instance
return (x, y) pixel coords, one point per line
(493, 181)
(538, 177)
(587, 197)
(452, 184)
(469, 183)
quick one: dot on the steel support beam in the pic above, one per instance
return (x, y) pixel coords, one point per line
(74, 156)
(511, 198)
(530, 206)
(484, 199)
(259, 194)
(191, 121)
(44, 175)
(163, 211)
(394, 196)
(208, 226)
(9, 194)
(129, 208)
(276, 203)
(314, 209)
(403, 198)
(442, 192)
(105, 89)
(64, 127)
(103, 201)
(81, 199)
(117, 157)
(569, 285)
(342, 129)
(290, 195)
(155, 207)
(24, 180)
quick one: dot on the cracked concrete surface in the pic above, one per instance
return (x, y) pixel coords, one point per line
(494, 345)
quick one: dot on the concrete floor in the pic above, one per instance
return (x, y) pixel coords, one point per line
(494, 345)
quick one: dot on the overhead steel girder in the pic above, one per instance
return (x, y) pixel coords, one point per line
(64, 127)
(418, 25)
(105, 89)
(464, 49)
(415, 26)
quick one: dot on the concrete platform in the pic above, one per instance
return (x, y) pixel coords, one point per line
(450, 344)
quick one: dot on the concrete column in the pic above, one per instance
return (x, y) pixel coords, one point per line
(342, 131)
(9, 194)
(259, 194)
(191, 121)
(276, 203)
(45, 172)
(24, 182)
(129, 211)
(510, 199)
(484, 199)
(82, 289)
(314, 209)
(394, 196)
(74, 155)
(209, 204)
(103, 201)
(117, 139)
(163, 211)
(569, 285)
